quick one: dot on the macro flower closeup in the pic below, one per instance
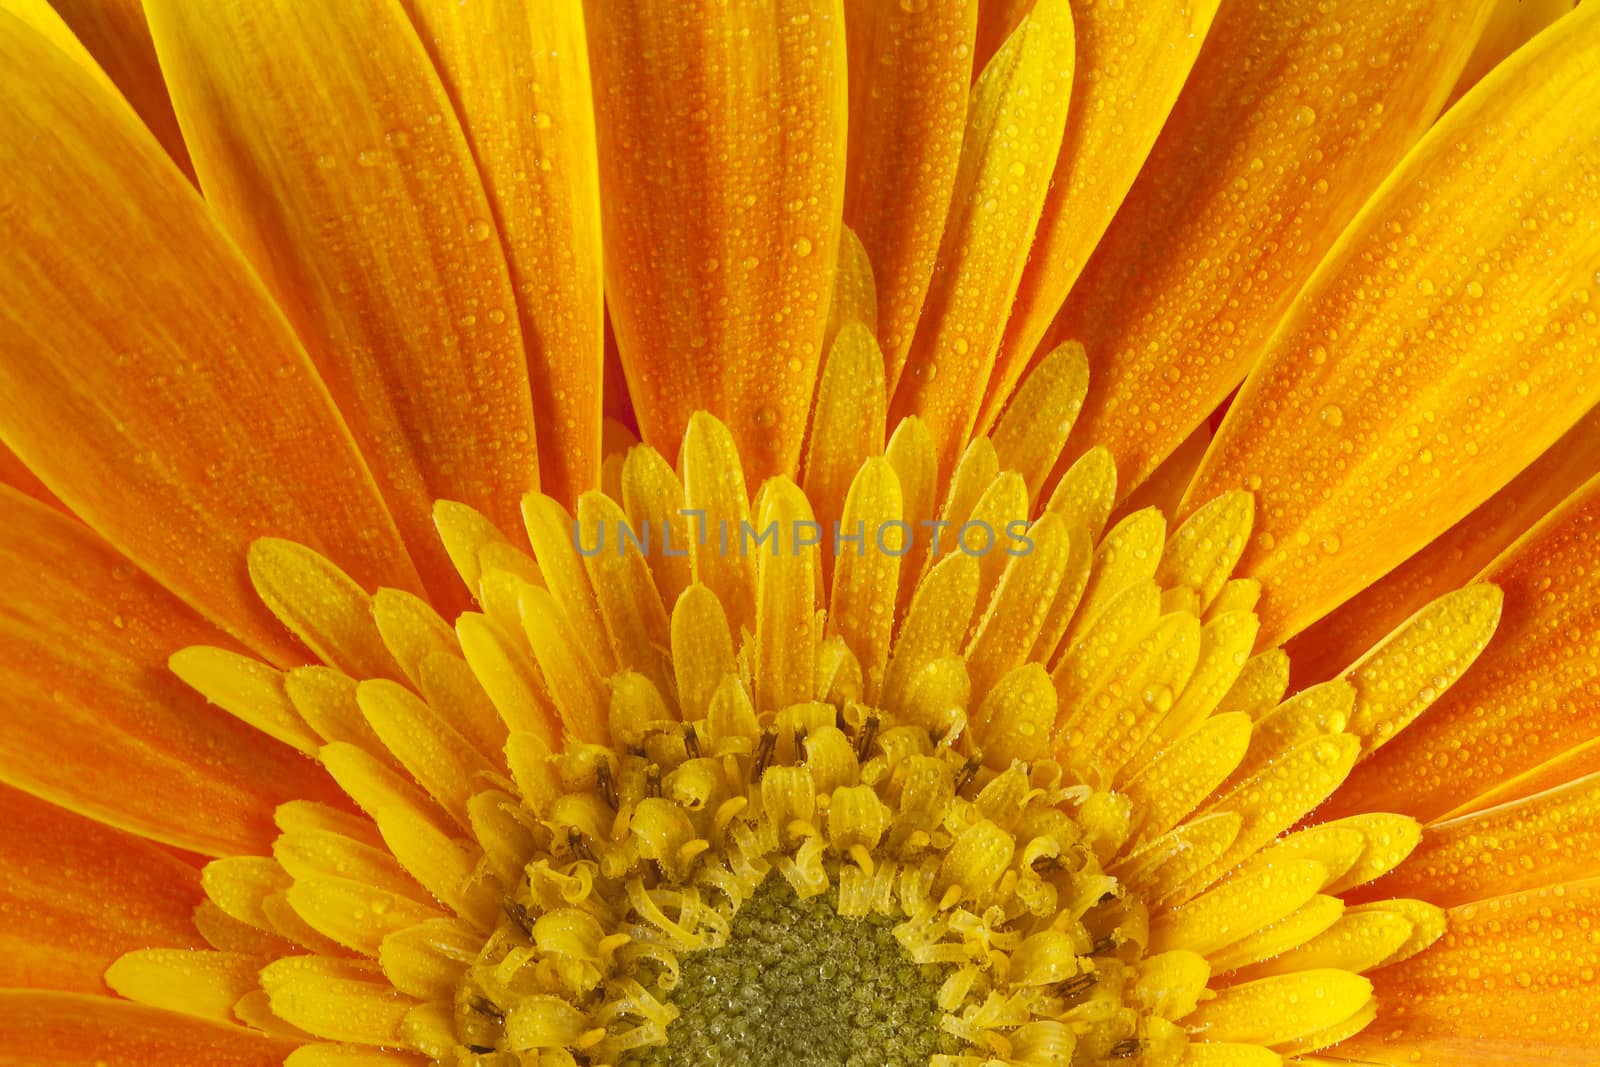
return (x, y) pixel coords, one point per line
(834, 533)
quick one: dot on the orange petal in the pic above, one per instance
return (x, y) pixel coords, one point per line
(1014, 126)
(1542, 840)
(328, 147)
(909, 75)
(1520, 704)
(73, 1030)
(114, 286)
(1463, 344)
(75, 895)
(1135, 58)
(721, 203)
(96, 723)
(1511, 982)
(1512, 24)
(15, 473)
(1450, 560)
(115, 33)
(1287, 123)
(518, 72)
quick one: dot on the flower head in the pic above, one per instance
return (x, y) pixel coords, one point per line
(943, 533)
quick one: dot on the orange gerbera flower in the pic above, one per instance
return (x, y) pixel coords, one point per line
(1080, 545)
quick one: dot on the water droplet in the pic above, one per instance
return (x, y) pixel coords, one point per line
(1333, 415)
(802, 246)
(479, 230)
(541, 120)
(1304, 116)
(1474, 289)
(1331, 544)
(367, 157)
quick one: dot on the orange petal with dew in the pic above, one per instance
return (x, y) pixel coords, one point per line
(1450, 560)
(73, 1030)
(329, 150)
(721, 204)
(96, 722)
(1518, 706)
(115, 33)
(1446, 342)
(1289, 120)
(1008, 157)
(148, 381)
(518, 73)
(61, 925)
(909, 75)
(1511, 982)
(1136, 58)
(1541, 840)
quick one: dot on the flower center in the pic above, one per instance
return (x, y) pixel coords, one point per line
(797, 983)
(806, 885)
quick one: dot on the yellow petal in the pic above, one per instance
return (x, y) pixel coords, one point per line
(1281, 1008)
(702, 648)
(430, 749)
(652, 495)
(1238, 907)
(635, 619)
(855, 295)
(518, 74)
(867, 575)
(1273, 939)
(786, 589)
(718, 508)
(1175, 782)
(712, 312)
(1451, 369)
(1287, 123)
(1397, 681)
(1014, 125)
(368, 221)
(1202, 552)
(1279, 795)
(321, 605)
(340, 999)
(1225, 643)
(847, 424)
(161, 451)
(1037, 420)
(909, 73)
